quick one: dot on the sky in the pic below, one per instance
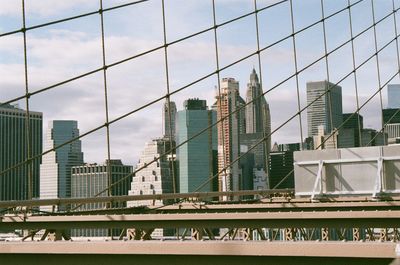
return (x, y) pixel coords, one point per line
(65, 50)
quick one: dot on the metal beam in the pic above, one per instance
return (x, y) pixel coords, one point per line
(124, 198)
(338, 219)
(213, 248)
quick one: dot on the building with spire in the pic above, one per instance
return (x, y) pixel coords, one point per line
(257, 111)
(258, 126)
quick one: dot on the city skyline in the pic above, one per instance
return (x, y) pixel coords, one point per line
(50, 64)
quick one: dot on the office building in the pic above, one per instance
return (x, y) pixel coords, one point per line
(326, 107)
(371, 137)
(153, 177)
(349, 135)
(258, 128)
(169, 119)
(55, 170)
(391, 116)
(393, 92)
(91, 180)
(281, 170)
(258, 118)
(14, 184)
(325, 141)
(228, 134)
(197, 158)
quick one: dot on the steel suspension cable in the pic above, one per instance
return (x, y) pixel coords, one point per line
(355, 75)
(172, 159)
(29, 168)
(297, 76)
(377, 63)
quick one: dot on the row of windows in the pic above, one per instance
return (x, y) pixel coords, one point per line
(22, 115)
(101, 169)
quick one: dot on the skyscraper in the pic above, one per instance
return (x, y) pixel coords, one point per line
(14, 150)
(327, 108)
(258, 122)
(169, 129)
(90, 180)
(257, 111)
(351, 131)
(196, 157)
(154, 178)
(393, 96)
(228, 134)
(55, 170)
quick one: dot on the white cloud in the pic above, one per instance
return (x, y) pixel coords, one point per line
(44, 7)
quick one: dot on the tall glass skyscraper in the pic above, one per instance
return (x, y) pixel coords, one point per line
(55, 170)
(14, 150)
(327, 108)
(197, 158)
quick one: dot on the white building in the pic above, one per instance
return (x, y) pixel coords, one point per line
(153, 178)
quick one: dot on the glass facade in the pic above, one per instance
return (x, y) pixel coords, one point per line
(14, 150)
(55, 170)
(196, 158)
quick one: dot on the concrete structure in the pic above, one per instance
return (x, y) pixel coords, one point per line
(325, 141)
(393, 93)
(169, 124)
(55, 170)
(365, 170)
(14, 150)
(92, 180)
(153, 178)
(197, 159)
(326, 108)
(228, 134)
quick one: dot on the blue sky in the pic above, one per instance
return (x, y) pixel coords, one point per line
(68, 49)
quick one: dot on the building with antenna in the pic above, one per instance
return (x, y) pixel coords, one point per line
(169, 120)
